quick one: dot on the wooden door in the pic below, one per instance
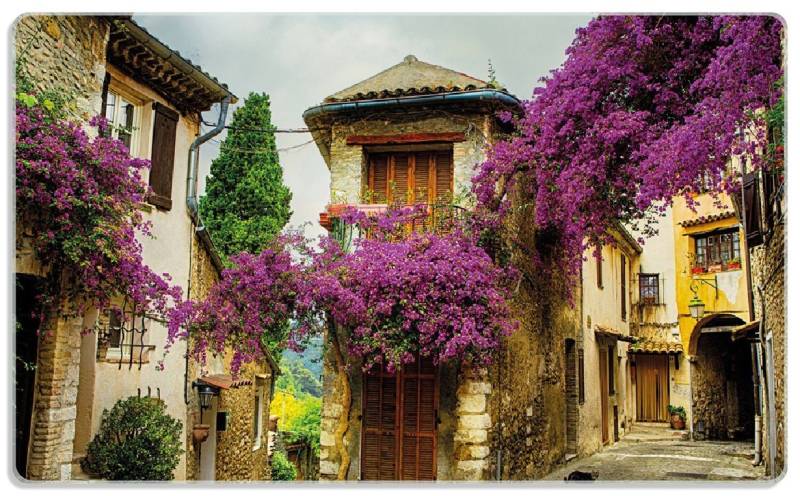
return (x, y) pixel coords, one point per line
(398, 433)
(652, 388)
(604, 394)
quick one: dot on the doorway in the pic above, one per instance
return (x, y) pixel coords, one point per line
(28, 289)
(604, 394)
(398, 426)
(652, 388)
(571, 391)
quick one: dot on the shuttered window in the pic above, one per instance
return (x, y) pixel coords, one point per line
(623, 288)
(410, 177)
(581, 383)
(398, 436)
(162, 159)
(752, 208)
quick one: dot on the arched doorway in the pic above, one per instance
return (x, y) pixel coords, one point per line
(723, 396)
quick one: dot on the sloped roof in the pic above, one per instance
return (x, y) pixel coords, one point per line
(410, 77)
(707, 219)
(656, 346)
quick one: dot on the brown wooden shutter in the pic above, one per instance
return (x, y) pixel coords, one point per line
(444, 177)
(599, 263)
(422, 169)
(378, 178)
(399, 176)
(419, 404)
(581, 383)
(163, 156)
(752, 210)
(379, 428)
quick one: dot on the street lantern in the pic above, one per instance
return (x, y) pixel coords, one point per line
(697, 308)
(205, 392)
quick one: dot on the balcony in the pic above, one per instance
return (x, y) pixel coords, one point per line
(420, 217)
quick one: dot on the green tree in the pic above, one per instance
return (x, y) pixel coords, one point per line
(246, 203)
(137, 440)
(282, 468)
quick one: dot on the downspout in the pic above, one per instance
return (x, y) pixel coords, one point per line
(192, 204)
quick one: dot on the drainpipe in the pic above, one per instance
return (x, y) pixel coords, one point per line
(192, 205)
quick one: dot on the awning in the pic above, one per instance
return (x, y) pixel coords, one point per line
(744, 329)
(656, 346)
(611, 333)
(225, 381)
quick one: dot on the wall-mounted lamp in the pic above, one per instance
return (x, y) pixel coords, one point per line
(697, 308)
(205, 393)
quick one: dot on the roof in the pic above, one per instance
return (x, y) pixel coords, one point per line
(706, 219)
(410, 77)
(610, 332)
(148, 60)
(225, 381)
(655, 346)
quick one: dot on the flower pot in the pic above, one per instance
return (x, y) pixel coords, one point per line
(200, 432)
(698, 270)
(715, 268)
(676, 422)
(734, 265)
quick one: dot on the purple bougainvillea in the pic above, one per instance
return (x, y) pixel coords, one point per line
(644, 108)
(80, 195)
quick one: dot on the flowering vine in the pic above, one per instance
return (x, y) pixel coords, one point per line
(644, 108)
(80, 195)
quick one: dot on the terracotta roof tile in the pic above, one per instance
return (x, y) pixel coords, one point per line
(410, 77)
(652, 346)
(705, 219)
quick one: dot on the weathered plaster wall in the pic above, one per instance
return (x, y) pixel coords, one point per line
(64, 53)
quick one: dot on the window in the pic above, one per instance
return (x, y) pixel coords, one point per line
(599, 264)
(623, 288)
(258, 418)
(720, 248)
(123, 118)
(115, 331)
(649, 289)
(410, 177)
(611, 359)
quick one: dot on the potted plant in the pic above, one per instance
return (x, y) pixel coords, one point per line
(735, 263)
(677, 417)
(698, 269)
(715, 268)
(200, 432)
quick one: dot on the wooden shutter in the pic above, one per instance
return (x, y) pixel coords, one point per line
(398, 426)
(599, 265)
(379, 427)
(444, 177)
(581, 383)
(379, 178)
(399, 175)
(163, 156)
(418, 443)
(422, 170)
(752, 210)
(623, 288)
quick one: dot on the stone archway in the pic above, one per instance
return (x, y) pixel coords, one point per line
(722, 382)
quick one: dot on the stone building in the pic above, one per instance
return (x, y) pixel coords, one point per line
(414, 133)
(112, 66)
(763, 215)
(599, 379)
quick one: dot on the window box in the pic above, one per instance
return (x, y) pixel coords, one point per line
(734, 265)
(698, 269)
(715, 268)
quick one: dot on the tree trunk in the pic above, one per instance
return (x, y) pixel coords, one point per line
(342, 427)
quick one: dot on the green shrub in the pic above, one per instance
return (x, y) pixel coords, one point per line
(282, 468)
(137, 440)
(677, 410)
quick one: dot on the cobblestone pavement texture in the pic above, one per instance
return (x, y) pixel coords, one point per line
(654, 452)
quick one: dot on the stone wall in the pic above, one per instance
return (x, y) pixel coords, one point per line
(472, 430)
(66, 54)
(768, 262)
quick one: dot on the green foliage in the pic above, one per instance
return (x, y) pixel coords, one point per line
(297, 378)
(282, 468)
(137, 440)
(677, 410)
(300, 416)
(775, 118)
(246, 203)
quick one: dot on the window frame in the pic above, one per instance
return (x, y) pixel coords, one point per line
(121, 93)
(258, 418)
(709, 248)
(643, 276)
(432, 196)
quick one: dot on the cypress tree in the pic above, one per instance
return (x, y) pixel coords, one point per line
(246, 203)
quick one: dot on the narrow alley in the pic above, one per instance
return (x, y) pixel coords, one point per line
(654, 452)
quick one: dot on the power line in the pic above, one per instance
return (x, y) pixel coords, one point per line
(264, 150)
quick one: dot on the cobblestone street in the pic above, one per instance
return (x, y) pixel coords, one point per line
(654, 452)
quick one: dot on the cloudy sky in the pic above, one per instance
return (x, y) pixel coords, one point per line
(300, 59)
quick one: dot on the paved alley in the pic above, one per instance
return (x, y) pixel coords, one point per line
(654, 452)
